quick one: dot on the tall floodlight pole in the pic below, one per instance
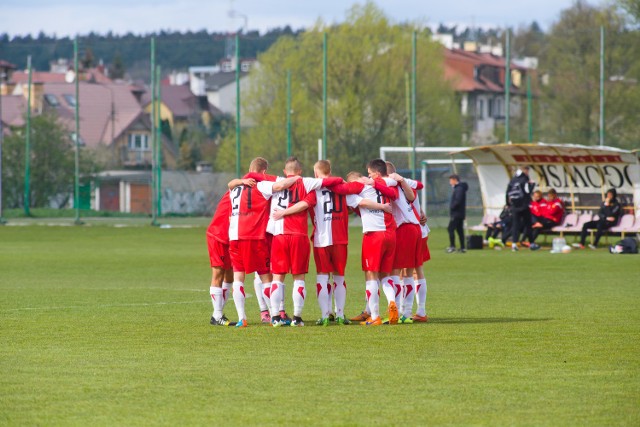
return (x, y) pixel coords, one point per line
(414, 73)
(76, 200)
(237, 105)
(159, 143)
(27, 155)
(529, 108)
(154, 212)
(507, 88)
(289, 113)
(601, 86)
(324, 95)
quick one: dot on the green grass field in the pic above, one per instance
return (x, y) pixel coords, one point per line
(110, 326)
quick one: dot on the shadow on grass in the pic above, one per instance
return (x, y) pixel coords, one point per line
(456, 320)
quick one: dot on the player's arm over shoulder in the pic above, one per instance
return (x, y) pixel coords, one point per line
(284, 184)
(371, 205)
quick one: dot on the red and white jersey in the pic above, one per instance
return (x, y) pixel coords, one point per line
(295, 224)
(330, 218)
(372, 219)
(250, 211)
(425, 228)
(219, 226)
(403, 210)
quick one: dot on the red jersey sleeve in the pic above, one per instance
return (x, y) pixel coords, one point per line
(332, 181)
(419, 185)
(390, 192)
(311, 199)
(348, 188)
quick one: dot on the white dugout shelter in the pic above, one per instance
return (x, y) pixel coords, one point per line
(580, 174)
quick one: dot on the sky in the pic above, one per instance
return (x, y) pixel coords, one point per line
(70, 17)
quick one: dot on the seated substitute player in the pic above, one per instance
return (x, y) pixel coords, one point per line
(247, 236)
(290, 249)
(218, 246)
(549, 215)
(330, 219)
(378, 243)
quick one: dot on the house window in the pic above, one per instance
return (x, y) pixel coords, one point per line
(480, 114)
(52, 100)
(245, 67)
(498, 108)
(71, 100)
(490, 109)
(138, 142)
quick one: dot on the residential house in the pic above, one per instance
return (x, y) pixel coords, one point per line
(112, 122)
(479, 79)
(181, 108)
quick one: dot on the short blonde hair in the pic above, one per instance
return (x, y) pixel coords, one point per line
(391, 168)
(353, 175)
(259, 165)
(323, 166)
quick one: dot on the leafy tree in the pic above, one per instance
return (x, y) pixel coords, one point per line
(88, 60)
(52, 163)
(528, 41)
(368, 58)
(632, 7)
(570, 100)
(117, 67)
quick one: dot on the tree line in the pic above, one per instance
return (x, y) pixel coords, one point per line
(130, 52)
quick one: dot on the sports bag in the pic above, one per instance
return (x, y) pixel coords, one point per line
(625, 246)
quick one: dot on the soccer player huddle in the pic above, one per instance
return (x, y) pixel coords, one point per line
(260, 226)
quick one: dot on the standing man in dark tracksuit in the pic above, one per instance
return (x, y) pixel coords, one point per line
(519, 197)
(457, 212)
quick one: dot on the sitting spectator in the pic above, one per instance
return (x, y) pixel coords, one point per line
(502, 226)
(609, 213)
(547, 215)
(537, 207)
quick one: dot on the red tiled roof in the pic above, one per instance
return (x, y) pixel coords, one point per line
(5, 64)
(14, 108)
(180, 100)
(96, 124)
(460, 68)
(37, 77)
